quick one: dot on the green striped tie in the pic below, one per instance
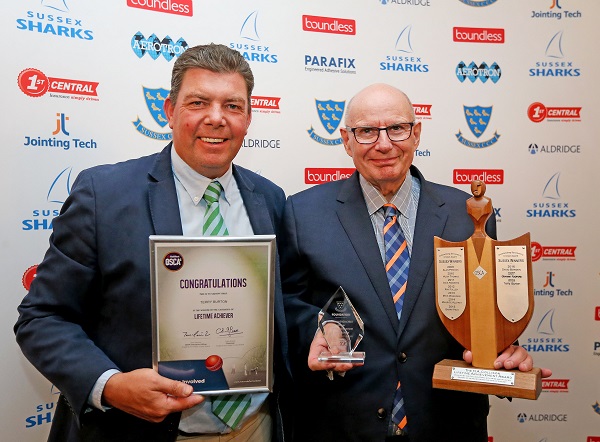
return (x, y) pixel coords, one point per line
(230, 408)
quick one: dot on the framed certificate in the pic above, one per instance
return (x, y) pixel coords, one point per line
(212, 311)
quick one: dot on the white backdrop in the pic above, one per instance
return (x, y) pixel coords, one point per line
(73, 86)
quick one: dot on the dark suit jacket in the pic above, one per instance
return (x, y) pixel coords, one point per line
(88, 309)
(328, 241)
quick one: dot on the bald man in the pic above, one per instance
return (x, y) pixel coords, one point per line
(333, 236)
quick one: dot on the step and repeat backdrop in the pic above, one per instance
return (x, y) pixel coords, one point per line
(505, 90)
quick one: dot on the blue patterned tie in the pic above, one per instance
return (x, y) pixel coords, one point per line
(230, 408)
(397, 261)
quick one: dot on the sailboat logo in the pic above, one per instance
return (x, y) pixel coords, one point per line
(546, 325)
(59, 5)
(554, 48)
(551, 188)
(249, 30)
(403, 43)
(60, 187)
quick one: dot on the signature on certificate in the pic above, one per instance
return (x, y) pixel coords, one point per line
(228, 331)
(196, 334)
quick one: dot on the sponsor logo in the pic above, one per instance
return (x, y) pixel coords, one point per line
(556, 11)
(43, 413)
(555, 64)
(555, 385)
(58, 191)
(474, 72)
(250, 46)
(553, 205)
(488, 176)
(405, 2)
(537, 113)
(596, 407)
(332, 65)
(155, 47)
(155, 100)
(478, 118)
(422, 111)
(178, 7)
(173, 261)
(541, 417)
(404, 58)
(330, 114)
(554, 149)
(547, 341)
(262, 143)
(320, 175)
(35, 83)
(478, 35)
(61, 138)
(265, 105)
(597, 313)
(550, 290)
(329, 25)
(55, 19)
(593, 439)
(552, 253)
(478, 3)
(29, 276)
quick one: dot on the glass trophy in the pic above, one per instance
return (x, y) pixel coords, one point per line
(343, 330)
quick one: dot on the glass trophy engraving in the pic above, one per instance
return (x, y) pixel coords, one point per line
(342, 328)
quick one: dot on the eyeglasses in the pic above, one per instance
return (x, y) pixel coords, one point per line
(395, 132)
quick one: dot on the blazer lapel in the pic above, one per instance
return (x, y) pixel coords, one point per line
(162, 196)
(255, 204)
(355, 220)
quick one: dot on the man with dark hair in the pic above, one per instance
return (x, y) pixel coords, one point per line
(86, 322)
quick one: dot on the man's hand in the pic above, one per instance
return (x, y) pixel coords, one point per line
(513, 357)
(147, 395)
(319, 345)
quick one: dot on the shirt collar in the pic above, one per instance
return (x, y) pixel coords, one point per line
(195, 184)
(375, 200)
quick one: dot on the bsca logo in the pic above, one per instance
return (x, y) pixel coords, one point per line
(330, 25)
(478, 3)
(330, 114)
(478, 118)
(173, 261)
(155, 100)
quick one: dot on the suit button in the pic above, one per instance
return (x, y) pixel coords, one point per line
(381, 413)
(402, 357)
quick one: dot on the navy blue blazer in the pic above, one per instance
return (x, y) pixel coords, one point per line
(328, 241)
(88, 309)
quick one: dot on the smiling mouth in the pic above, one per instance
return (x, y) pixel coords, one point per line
(212, 140)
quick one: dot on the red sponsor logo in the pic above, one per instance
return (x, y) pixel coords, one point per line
(265, 102)
(29, 276)
(179, 7)
(478, 35)
(490, 438)
(555, 385)
(559, 253)
(537, 113)
(597, 314)
(593, 439)
(330, 25)
(35, 83)
(422, 110)
(320, 175)
(488, 176)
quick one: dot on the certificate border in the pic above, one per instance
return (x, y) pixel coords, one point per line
(267, 241)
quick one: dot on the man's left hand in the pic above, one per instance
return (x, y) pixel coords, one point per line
(513, 357)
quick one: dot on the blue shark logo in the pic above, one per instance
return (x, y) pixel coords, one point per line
(546, 325)
(403, 43)
(59, 5)
(155, 99)
(551, 188)
(554, 48)
(478, 118)
(249, 29)
(330, 113)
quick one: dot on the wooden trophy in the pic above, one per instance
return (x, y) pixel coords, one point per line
(484, 297)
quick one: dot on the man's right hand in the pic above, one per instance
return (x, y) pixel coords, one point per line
(147, 395)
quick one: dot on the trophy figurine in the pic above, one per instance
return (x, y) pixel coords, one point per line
(484, 297)
(342, 328)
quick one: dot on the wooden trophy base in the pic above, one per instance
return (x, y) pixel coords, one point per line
(458, 375)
